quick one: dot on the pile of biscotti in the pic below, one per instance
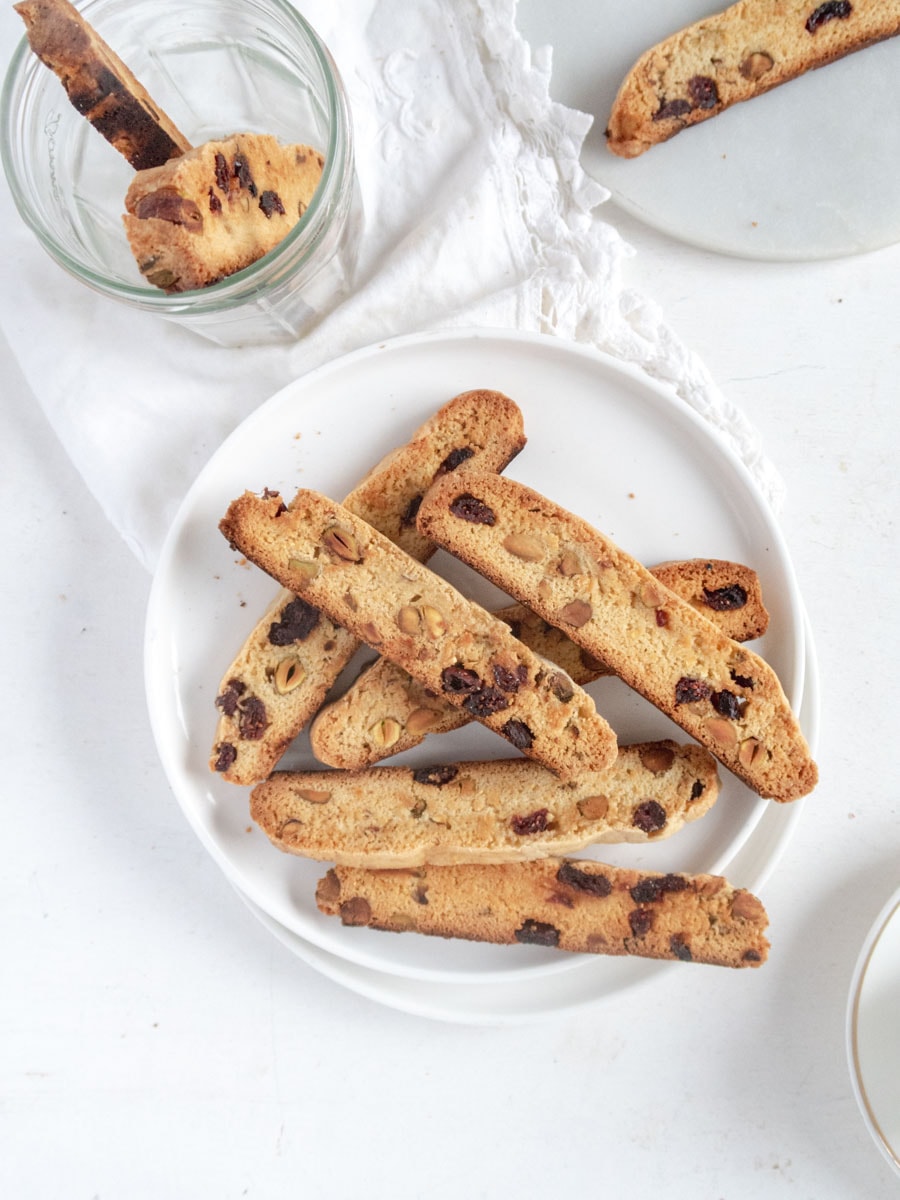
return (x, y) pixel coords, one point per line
(481, 850)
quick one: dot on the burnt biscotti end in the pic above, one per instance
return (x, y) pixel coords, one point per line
(99, 85)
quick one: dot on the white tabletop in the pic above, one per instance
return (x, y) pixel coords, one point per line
(157, 1042)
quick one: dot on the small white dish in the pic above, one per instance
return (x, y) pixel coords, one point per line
(604, 439)
(873, 1031)
(809, 170)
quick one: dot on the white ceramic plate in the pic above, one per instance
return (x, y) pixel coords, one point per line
(514, 1002)
(809, 170)
(603, 440)
(873, 1031)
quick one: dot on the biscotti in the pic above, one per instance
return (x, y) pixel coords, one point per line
(292, 657)
(575, 577)
(99, 85)
(500, 811)
(215, 210)
(570, 904)
(362, 581)
(385, 711)
(735, 55)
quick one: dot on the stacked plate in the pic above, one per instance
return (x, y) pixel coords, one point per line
(620, 450)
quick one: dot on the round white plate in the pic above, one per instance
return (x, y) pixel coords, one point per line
(495, 1002)
(873, 1031)
(809, 170)
(603, 440)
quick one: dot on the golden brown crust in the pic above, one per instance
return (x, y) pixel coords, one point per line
(575, 577)
(291, 658)
(366, 584)
(735, 55)
(351, 732)
(576, 905)
(501, 811)
(99, 84)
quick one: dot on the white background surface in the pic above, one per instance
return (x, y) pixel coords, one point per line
(156, 1042)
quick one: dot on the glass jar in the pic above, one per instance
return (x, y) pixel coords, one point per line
(216, 67)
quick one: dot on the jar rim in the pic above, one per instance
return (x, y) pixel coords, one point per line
(292, 253)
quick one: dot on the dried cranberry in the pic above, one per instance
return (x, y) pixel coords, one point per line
(674, 883)
(412, 511)
(742, 680)
(510, 680)
(645, 891)
(662, 618)
(535, 822)
(228, 700)
(243, 174)
(519, 734)
(485, 702)
(727, 704)
(680, 948)
(469, 508)
(298, 620)
(830, 11)
(225, 756)
(222, 173)
(689, 690)
(651, 887)
(270, 203)
(584, 881)
(672, 108)
(537, 933)
(725, 599)
(751, 956)
(641, 921)
(649, 817)
(454, 459)
(435, 776)
(703, 91)
(459, 681)
(252, 718)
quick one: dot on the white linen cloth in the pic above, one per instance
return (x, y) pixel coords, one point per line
(477, 214)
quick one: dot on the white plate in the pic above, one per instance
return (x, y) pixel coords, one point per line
(873, 1031)
(809, 170)
(494, 1002)
(603, 440)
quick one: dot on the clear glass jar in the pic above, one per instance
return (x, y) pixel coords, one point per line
(216, 67)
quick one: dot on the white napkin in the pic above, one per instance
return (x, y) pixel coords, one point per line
(477, 214)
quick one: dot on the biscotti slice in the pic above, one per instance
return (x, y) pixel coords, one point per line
(502, 811)
(218, 208)
(362, 581)
(575, 577)
(99, 85)
(282, 673)
(728, 593)
(735, 55)
(385, 711)
(570, 904)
